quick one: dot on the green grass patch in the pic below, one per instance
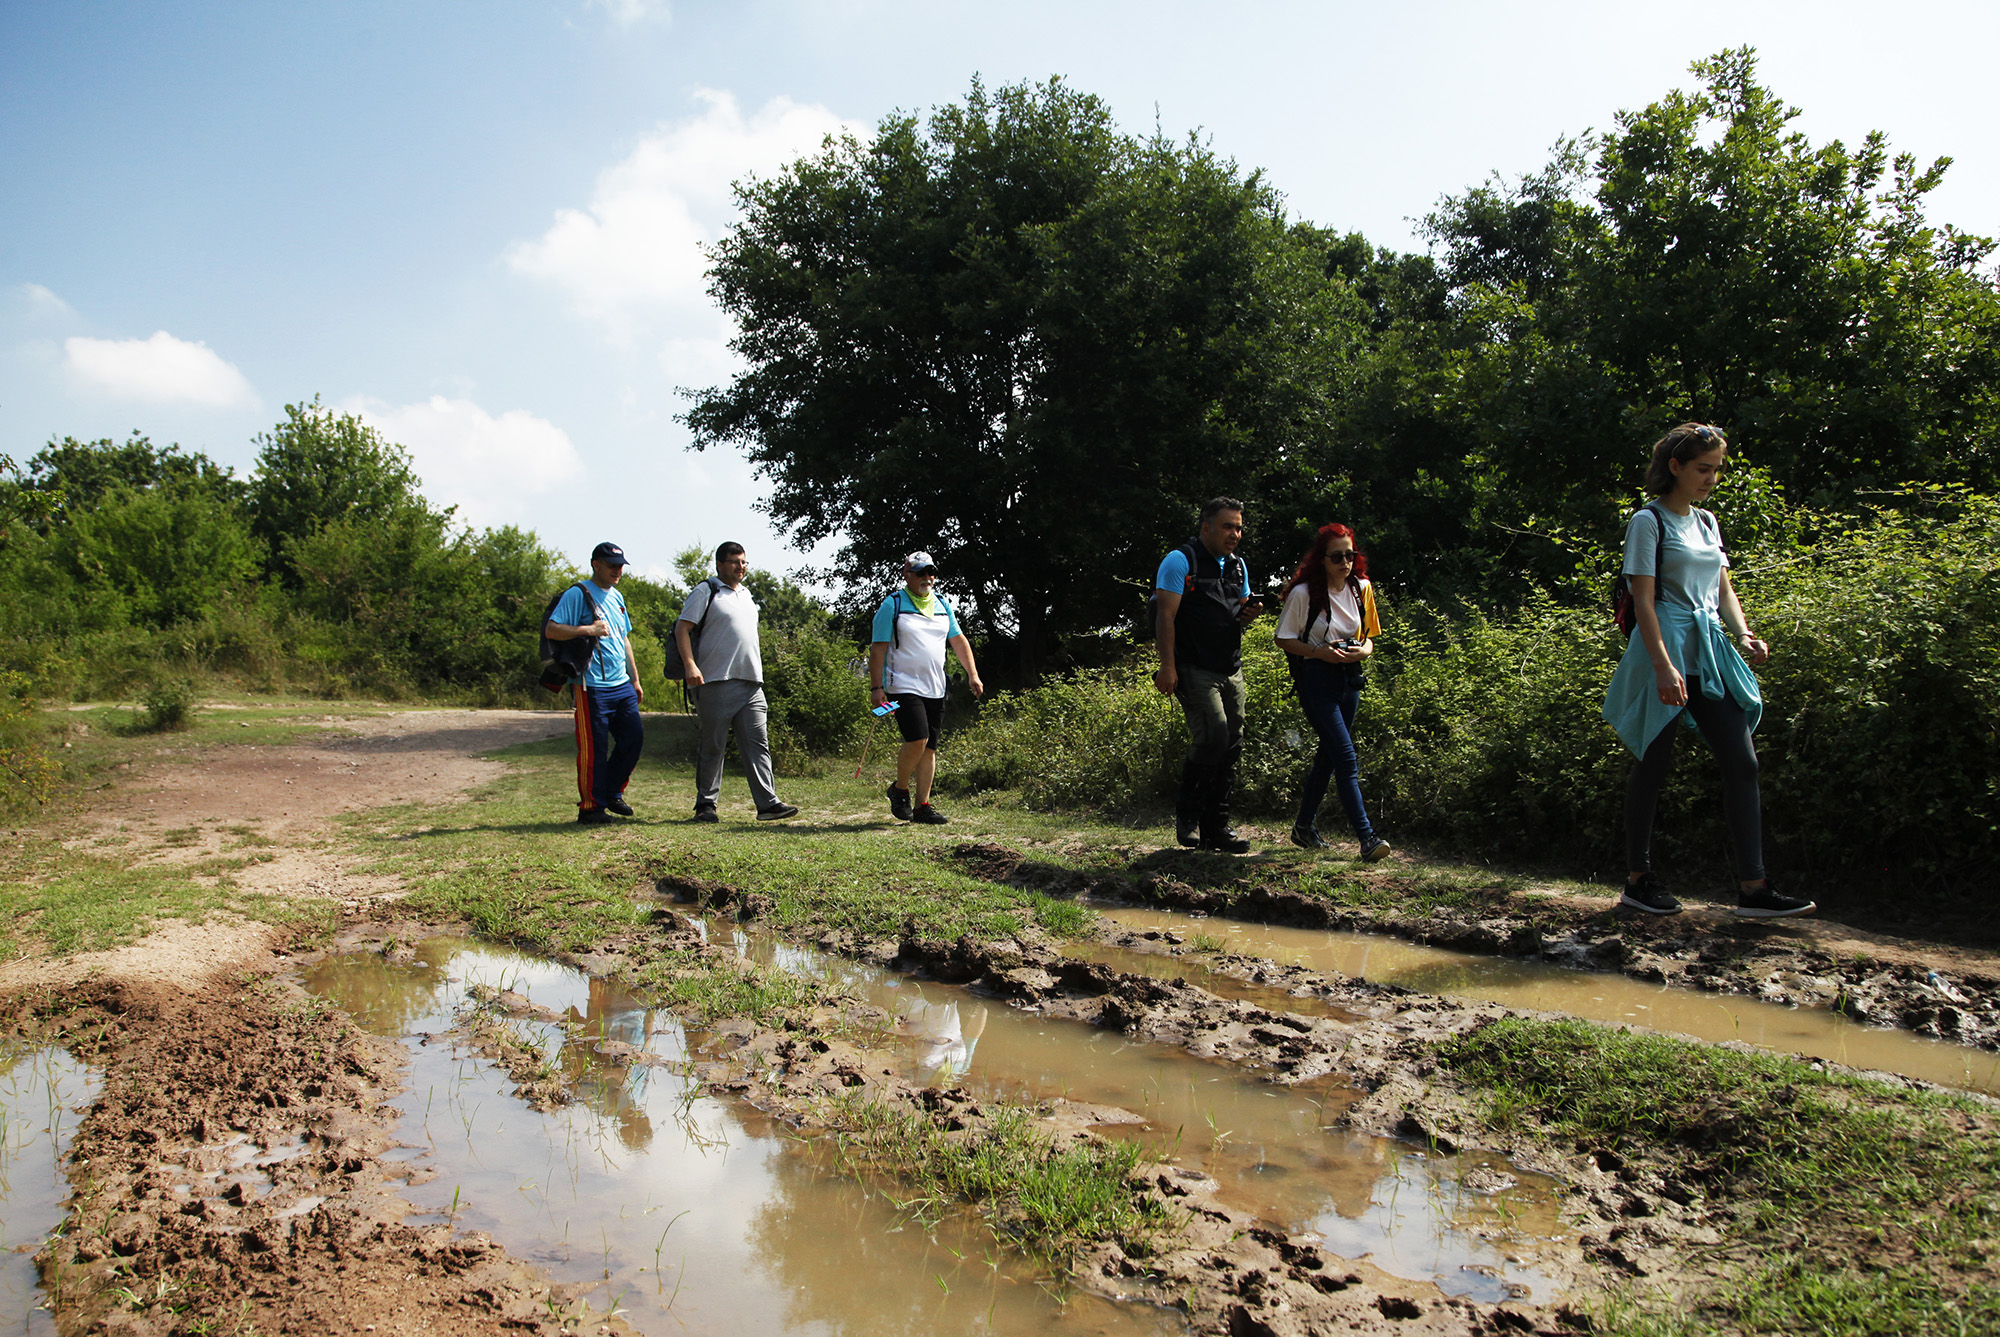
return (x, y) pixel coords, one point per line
(1045, 1195)
(514, 863)
(1871, 1209)
(62, 901)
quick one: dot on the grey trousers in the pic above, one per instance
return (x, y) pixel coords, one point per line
(1213, 703)
(733, 703)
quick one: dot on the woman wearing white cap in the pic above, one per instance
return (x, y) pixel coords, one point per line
(913, 629)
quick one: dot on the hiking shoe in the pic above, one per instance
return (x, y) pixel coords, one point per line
(777, 812)
(1767, 902)
(593, 817)
(1224, 841)
(1648, 895)
(1306, 836)
(928, 815)
(899, 803)
(619, 806)
(706, 813)
(1376, 850)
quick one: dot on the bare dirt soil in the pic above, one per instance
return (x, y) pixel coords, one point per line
(279, 801)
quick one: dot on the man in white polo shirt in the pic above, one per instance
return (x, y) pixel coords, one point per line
(913, 629)
(717, 636)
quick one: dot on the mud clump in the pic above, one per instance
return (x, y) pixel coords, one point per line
(229, 1178)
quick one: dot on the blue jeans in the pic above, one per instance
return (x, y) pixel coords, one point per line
(609, 738)
(1329, 705)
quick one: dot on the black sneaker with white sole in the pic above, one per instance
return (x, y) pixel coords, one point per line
(777, 812)
(1767, 902)
(1650, 896)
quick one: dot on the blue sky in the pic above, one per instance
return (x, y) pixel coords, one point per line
(477, 223)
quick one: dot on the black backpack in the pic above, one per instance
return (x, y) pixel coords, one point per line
(676, 668)
(564, 662)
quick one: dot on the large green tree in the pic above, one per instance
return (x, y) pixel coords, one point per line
(1023, 341)
(1705, 260)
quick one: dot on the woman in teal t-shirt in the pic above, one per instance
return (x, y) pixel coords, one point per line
(1680, 663)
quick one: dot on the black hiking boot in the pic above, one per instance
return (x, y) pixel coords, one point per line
(1767, 902)
(1650, 896)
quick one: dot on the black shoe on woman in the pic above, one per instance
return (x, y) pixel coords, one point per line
(1307, 837)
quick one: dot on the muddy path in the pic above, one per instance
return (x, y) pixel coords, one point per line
(277, 804)
(1814, 961)
(236, 1169)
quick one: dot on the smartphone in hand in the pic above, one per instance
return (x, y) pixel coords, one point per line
(886, 708)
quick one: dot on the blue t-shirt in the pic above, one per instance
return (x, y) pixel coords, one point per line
(1174, 573)
(607, 657)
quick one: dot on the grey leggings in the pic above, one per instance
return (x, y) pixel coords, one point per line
(1727, 730)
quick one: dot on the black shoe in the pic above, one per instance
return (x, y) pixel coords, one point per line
(1306, 836)
(1222, 839)
(705, 813)
(1187, 830)
(899, 803)
(1376, 849)
(594, 817)
(1767, 902)
(1648, 895)
(619, 806)
(928, 815)
(777, 812)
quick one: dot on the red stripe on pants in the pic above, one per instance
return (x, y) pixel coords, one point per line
(586, 749)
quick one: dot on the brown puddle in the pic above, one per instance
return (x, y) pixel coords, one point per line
(1604, 997)
(43, 1092)
(688, 1213)
(1272, 1148)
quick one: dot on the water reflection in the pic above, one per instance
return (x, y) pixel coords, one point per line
(1277, 1151)
(43, 1093)
(694, 1214)
(1597, 996)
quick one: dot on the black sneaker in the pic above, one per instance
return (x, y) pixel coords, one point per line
(593, 817)
(1307, 837)
(777, 812)
(928, 815)
(1648, 895)
(899, 803)
(1376, 850)
(1767, 902)
(1224, 841)
(705, 813)
(619, 806)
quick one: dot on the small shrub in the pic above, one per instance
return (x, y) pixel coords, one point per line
(167, 706)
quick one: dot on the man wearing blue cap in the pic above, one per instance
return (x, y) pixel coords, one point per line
(609, 736)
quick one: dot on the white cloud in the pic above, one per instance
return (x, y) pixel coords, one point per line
(625, 13)
(489, 467)
(161, 369)
(41, 302)
(633, 257)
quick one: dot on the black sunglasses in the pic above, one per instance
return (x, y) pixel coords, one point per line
(1342, 557)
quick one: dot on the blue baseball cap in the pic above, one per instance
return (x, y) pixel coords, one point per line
(610, 554)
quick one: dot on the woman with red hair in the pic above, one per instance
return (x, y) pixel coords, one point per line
(1327, 630)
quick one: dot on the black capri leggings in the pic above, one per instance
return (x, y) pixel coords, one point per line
(1727, 730)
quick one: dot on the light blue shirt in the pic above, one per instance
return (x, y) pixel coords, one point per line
(1688, 603)
(607, 656)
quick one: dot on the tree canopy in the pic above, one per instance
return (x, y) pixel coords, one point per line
(1020, 340)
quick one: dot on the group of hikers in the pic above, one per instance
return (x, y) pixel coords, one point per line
(1685, 660)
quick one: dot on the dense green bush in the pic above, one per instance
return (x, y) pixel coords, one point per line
(1880, 739)
(813, 684)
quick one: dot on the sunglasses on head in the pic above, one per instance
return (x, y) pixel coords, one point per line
(1342, 557)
